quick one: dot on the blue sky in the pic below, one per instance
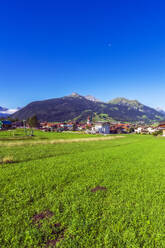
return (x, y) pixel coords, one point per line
(105, 48)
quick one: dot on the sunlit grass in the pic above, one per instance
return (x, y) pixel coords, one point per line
(49, 194)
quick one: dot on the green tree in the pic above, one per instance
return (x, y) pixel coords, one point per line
(74, 127)
(131, 130)
(33, 121)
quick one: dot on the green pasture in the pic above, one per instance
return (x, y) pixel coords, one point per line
(19, 134)
(100, 194)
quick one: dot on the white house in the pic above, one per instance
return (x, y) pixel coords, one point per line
(148, 130)
(138, 130)
(151, 130)
(101, 127)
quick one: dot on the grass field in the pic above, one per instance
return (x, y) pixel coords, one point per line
(19, 134)
(108, 193)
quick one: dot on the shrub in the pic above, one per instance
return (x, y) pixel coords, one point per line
(157, 133)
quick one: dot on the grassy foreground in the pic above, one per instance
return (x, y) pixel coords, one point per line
(107, 193)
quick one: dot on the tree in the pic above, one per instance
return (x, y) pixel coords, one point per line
(33, 121)
(74, 128)
(1, 124)
(131, 130)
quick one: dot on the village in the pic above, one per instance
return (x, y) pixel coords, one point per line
(89, 127)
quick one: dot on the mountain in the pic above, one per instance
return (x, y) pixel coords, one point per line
(162, 111)
(92, 98)
(126, 102)
(2, 109)
(77, 107)
(5, 112)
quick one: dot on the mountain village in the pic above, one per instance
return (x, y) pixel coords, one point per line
(88, 115)
(89, 127)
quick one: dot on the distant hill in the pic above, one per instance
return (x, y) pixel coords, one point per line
(2, 112)
(5, 112)
(77, 107)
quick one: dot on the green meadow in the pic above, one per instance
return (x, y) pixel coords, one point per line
(102, 193)
(19, 134)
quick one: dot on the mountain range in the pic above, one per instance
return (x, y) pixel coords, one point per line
(5, 112)
(78, 108)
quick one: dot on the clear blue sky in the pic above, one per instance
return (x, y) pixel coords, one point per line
(106, 48)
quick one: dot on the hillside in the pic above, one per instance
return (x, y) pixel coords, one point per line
(77, 107)
(126, 102)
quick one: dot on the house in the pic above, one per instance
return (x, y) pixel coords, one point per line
(162, 127)
(5, 124)
(152, 130)
(17, 124)
(101, 127)
(146, 130)
(139, 130)
(119, 128)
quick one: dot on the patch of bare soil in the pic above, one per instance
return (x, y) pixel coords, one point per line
(97, 188)
(58, 231)
(46, 214)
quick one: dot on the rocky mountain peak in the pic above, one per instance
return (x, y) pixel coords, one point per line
(92, 98)
(74, 94)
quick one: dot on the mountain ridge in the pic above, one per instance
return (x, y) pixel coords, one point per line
(78, 107)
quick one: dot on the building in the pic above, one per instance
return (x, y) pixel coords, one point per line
(120, 128)
(17, 124)
(146, 129)
(88, 120)
(162, 127)
(139, 129)
(101, 127)
(5, 124)
(152, 130)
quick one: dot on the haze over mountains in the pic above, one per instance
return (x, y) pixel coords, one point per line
(78, 108)
(5, 112)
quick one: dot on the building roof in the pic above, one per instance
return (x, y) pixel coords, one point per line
(162, 125)
(7, 122)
